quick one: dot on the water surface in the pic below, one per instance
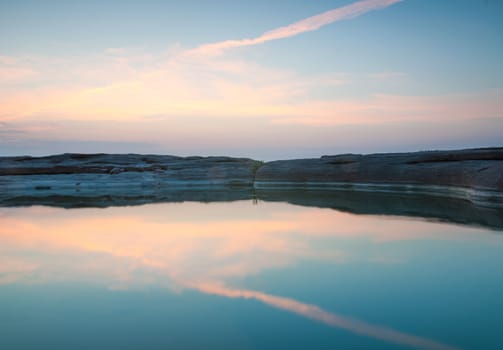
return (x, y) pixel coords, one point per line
(247, 275)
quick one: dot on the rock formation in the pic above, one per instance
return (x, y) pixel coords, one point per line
(438, 184)
(474, 174)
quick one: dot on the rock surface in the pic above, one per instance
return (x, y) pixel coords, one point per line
(474, 174)
(166, 168)
(386, 184)
(101, 180)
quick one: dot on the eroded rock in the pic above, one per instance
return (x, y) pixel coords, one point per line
(475, 174)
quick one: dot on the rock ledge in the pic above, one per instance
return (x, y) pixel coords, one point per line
(473, 174)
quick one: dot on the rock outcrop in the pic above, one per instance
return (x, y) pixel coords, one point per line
(464, 187)
(168, 168)
(474, 174)
(119, 176)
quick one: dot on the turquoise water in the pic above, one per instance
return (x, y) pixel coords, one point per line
(245, 275)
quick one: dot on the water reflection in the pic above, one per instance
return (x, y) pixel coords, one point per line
(418, 205)
(207, 247)
(329, 318)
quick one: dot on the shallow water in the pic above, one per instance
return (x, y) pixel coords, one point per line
(245, 275)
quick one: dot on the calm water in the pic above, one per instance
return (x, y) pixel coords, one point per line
(241, 275)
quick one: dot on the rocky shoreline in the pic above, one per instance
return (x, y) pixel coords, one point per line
(475, 175)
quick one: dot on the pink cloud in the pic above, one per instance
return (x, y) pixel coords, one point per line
(382, 108)
(306, 25)
(212, 99)
(196, 246)
(13, 74)
(329, 318)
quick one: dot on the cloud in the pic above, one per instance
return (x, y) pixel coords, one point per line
(106, 88)
(13, 74)
(306, 25)
(212, 104)
(387, 108)
(196, 246)
(16, 70)
(195, 242)
(13, 269)
(329, 318)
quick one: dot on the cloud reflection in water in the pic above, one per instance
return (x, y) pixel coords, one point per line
(203, 247)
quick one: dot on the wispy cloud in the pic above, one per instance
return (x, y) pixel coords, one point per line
(306, 25)
(14, 74)
(225, 102)
(329, 318)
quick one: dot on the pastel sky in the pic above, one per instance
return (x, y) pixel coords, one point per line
(266, 79)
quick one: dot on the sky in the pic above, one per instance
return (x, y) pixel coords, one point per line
(262, 79)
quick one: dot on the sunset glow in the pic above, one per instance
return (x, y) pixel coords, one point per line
(320, 78)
